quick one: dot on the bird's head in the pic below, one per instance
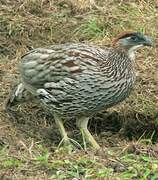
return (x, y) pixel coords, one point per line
(131, 41)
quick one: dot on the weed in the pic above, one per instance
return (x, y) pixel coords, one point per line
(90, 30)
(11, 163)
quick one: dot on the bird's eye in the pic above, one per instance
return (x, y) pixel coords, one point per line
(134, 38)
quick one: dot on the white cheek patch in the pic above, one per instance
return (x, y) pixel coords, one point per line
(134, 48)
(131, 51)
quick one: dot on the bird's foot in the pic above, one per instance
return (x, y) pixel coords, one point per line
(69, 144)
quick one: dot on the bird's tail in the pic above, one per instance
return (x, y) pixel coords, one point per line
(18, 94)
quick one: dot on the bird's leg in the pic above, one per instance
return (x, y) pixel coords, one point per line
(82, 124)
(62, 130)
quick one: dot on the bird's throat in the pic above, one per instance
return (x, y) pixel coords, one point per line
(132, 51)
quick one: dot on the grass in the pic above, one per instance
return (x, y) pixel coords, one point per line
(134, 161)
(90, 29)
(29, 144)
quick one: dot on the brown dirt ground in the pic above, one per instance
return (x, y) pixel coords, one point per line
(26, 24)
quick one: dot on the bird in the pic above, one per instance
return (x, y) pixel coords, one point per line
(77, 80)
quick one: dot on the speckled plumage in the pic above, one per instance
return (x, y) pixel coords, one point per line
(78, 80)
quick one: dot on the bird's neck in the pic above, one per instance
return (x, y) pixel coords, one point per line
(123, 60)
(118, 58)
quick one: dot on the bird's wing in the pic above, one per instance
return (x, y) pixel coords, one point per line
(44, 66)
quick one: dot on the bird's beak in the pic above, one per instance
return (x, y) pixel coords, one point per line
(147, 41)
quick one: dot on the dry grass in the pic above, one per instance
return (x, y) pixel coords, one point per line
(28, 145)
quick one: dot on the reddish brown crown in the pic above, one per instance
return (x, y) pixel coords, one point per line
(122, 35)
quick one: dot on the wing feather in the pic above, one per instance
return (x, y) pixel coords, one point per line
(41, 65)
